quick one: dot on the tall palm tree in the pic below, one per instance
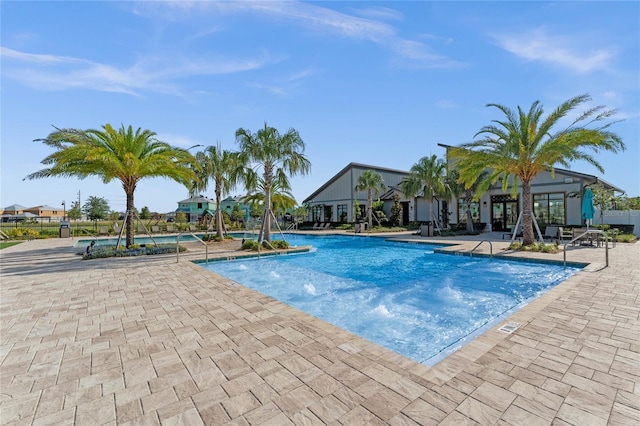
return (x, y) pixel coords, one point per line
(370, 181)
(222, 167)
(428, 175)
(110, 154)
(277, 156)
(522, 145)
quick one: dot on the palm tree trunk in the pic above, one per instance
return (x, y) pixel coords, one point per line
(130, 233)
(266, 222)
(469, 217)
(370, 208)
(218, 214)
(528, 237)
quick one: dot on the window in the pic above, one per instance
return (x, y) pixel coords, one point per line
(316, 213)
(328, 213)
(462, 211)
(549, 208)
(199, 205)
(343, 215)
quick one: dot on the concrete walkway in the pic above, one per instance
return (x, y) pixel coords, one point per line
(149, 340)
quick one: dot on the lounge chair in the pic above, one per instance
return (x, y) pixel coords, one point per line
(104, 230)
(551, 233)
(327, 225)
(155, 229)
(170, 228)
(317, 225)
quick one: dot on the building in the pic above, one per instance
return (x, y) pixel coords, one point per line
(16, 212)
(196, 207)
(556, 200)
(334, 201)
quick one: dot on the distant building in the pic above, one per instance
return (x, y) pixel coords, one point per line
(196, 207)
(16, 212)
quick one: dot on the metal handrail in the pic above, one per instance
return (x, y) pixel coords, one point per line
(478, 245)
(206, 246)
(579, 237)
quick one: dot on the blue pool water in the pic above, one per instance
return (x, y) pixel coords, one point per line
(403, 296)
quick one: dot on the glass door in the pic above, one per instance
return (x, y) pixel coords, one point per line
(504, 213)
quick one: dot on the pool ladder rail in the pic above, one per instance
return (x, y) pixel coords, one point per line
(478, 245)
(206, 246)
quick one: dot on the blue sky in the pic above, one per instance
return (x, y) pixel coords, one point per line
(379, 83)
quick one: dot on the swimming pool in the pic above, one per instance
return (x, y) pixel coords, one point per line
(403, 296)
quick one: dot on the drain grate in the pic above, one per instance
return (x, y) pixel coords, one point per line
(509, 327)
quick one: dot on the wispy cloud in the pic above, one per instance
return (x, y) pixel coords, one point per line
(369, 26)
(51, 72)
(563, 51)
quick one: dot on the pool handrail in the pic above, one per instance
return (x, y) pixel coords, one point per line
(579, 237)
(478, 245)
(206, 246)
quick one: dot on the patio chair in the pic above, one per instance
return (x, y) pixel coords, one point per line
(580, 237)
(104, 230)
(551, 233)
(155, 229)
(564, 234)
(170, 228)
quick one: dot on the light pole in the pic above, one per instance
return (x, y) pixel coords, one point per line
(64, 207)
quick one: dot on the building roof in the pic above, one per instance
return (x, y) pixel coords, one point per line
(14, 208)
(345, 170)
(45, 207)
(197, 199)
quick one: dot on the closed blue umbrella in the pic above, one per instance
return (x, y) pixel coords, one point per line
(587, 206)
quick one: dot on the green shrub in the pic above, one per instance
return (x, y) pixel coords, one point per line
(250, 245)
(345, 226)
(535, 247)
(22, 233)
(280, 244)
(133, 250)
(626, 238)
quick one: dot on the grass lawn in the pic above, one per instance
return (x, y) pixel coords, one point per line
(8, 244)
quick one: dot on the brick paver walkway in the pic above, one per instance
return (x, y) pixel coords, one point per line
(152, 341)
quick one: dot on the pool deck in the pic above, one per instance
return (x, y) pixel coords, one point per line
(149, 340)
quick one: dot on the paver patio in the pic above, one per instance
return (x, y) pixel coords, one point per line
(149, 340)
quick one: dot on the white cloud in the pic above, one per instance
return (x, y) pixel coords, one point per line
(52, 72)
(563, 51)
(180, 141)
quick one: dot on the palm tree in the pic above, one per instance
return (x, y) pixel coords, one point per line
(281, 200)
(278, 156)
(468, 193)
(121, 154)
(222, 167)
(428, 175)
(370, 181)
(519, 147)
